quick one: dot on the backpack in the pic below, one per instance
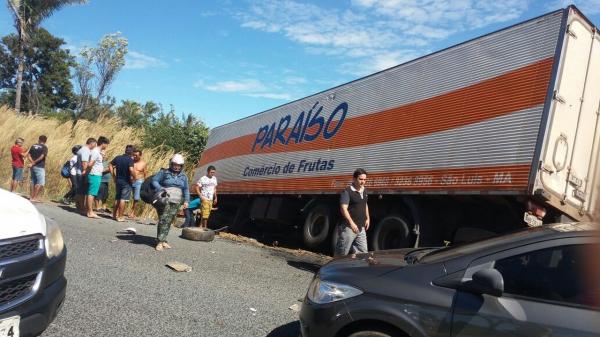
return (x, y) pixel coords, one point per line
(147, 191)
(65, 170)
(151, 196)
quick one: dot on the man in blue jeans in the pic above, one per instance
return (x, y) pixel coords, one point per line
(352, 232)
(140, 172)
(121, 168)
(37, 163)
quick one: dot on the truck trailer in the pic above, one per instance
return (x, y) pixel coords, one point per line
(483, 137)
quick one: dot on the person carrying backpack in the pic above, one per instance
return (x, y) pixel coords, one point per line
(175, 183)
(68, 171)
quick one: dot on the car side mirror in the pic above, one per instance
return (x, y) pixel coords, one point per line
(485, 281)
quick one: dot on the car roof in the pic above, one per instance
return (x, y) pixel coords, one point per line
(517, 238)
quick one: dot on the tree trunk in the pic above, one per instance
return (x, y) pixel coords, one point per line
(20, 69)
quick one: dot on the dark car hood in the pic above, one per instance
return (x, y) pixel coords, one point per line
(365, 265)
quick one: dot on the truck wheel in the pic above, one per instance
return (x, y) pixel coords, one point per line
(391, 232)
(198, 234)
(316, 226)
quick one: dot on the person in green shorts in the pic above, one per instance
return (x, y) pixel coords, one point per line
(94, 175)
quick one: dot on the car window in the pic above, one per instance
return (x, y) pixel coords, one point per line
(554, 274)
(468, 248)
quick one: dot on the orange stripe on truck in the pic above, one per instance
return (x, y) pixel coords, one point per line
(492, 178)
(520, 89)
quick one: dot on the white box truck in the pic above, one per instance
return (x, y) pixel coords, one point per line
(482, 137)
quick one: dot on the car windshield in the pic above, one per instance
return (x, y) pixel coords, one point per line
(468, 248)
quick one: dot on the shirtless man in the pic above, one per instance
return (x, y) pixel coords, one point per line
(140, 172)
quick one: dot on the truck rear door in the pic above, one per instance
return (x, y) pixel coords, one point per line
(570, 155)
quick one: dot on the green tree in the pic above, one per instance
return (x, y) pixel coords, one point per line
(95, 73)
(46, 80)
(187, 134)
(28, 14)
(137, 115)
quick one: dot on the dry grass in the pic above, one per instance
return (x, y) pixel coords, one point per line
(61, 138)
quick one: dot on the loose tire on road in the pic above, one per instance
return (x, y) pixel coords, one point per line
(198, 234)
(392, 232)
(316, 226)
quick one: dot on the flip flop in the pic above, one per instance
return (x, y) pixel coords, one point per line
(159, 247)
(166, 245)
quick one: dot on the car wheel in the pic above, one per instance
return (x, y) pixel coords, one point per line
(316, 226)
(392, 232)
(371, 334)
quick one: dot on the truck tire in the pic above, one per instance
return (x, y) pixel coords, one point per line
(198, 234)
(316, 226)
(391, 232)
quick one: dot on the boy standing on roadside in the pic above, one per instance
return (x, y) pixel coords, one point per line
(206, 188)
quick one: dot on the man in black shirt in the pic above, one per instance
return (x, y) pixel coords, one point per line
(37, 158)
(355, 212)
(121, 168)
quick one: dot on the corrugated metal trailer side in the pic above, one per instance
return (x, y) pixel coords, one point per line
(476, 139)
(567, 171)
(462, 120)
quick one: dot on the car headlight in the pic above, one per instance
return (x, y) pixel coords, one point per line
(54, 240)
(322, 292)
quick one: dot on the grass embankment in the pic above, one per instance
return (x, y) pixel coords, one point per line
(61, 138)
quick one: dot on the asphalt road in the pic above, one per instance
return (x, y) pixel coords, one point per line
(118, 285)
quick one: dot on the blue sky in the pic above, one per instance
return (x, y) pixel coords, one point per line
(224, 60)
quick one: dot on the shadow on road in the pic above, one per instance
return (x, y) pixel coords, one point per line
(291, 329)
(138, 239)
(305, 266)
(72, 209)
(69, 209)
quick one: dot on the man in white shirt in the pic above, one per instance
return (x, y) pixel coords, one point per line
(81, 168)
(94, 176)
(206, 188)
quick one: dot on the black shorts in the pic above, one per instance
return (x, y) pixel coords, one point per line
(123, 189)
(103, 191)
(81, 187)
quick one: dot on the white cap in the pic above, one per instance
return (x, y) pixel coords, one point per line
(177, 159)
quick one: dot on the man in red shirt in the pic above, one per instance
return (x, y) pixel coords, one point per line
(18, 160)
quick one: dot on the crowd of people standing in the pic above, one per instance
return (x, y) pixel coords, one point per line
(89, 173)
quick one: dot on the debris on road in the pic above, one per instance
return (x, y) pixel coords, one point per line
(295, 307)
(179, 266)
(239, 239)
(129, 230)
